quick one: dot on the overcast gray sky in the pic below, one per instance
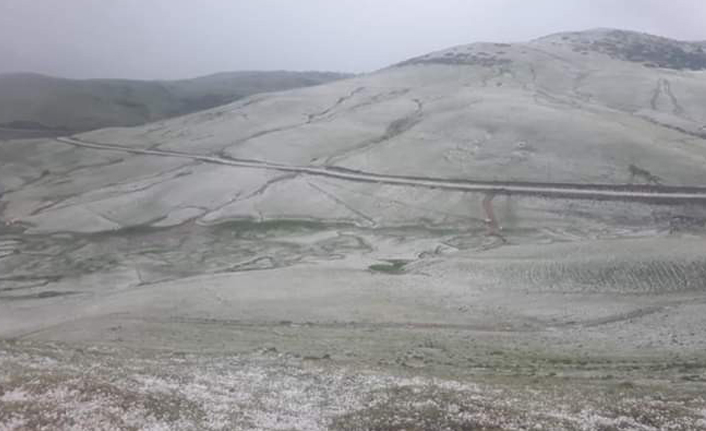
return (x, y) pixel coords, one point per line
(183, 38)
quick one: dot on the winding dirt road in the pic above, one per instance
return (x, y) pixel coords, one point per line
(620, 192)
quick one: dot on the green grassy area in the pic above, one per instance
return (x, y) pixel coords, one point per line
(254, 229)
(394, 266)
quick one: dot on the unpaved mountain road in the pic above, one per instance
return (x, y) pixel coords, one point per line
(620, 192)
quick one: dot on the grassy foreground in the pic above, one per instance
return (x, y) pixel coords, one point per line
(57, 387)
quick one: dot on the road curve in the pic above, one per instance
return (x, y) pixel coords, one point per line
(619, 192)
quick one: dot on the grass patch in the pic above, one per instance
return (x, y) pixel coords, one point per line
(258, 229)
(393, 266)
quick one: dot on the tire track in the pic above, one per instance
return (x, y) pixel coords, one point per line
(393, 130)
(664, 87)
(320, 115)
(676, 107)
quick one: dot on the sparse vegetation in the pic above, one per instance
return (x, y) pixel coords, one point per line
(652, 51)
(59, 387)
(460, 58)
(251, 228)
(393, 266)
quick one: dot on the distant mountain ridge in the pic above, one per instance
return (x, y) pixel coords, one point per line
(38, 102)
(631, 46)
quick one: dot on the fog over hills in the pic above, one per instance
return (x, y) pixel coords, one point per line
(37, 103)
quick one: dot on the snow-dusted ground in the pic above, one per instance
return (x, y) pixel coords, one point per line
(553, 110)
(53, 387)
(186, 295)
(301, 326)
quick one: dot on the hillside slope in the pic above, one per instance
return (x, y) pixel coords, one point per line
(602, 106)
(249, 266)
(31, 101)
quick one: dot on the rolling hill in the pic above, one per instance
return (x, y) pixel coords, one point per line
(600, 106)
(246, 265)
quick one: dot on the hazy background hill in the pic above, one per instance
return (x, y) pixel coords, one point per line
(47, 105)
